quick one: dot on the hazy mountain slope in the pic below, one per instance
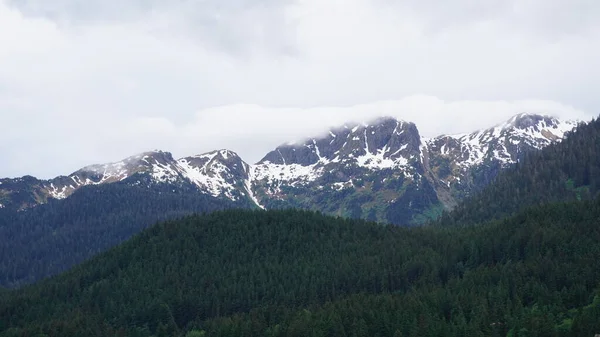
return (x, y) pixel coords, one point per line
(265, 268)
(54, 237)
(53, 225)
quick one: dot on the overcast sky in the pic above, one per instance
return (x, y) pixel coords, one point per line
(91, 81)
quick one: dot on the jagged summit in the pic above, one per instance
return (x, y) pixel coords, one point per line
(128, 166)
(221, 173)
(223, 153)
(158, 163)
(525, 120)
(370, 143)
(537, 123)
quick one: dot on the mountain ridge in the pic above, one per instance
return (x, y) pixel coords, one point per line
(360, 166)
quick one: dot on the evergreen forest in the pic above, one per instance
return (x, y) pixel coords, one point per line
(296, 273)
(54, 237)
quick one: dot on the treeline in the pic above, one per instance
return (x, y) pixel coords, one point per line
(295, 273)
(52, 238)
(565, 171)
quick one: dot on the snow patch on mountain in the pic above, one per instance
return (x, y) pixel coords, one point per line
(377, 161)
(342, 185)
(382, 160)
(248, 186)
(164, 173)
(60, 193)
(213, 177)
(294, 173)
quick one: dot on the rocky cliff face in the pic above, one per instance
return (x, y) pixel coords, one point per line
(356, 171)
(382, 170)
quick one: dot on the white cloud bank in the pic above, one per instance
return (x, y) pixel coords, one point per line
(85, 85)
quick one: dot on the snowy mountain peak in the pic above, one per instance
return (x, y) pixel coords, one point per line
(367, 144)
(219, 173)
(139, 159)
(526, 120)
(215, 162)
(157, 163)
(222, 154)
(339, 158)
(453, 157)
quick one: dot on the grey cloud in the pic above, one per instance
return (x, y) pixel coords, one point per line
(116, 10)
(234, 26)
(75, 11)
(547, 18)
(556, 17)
(438, 15)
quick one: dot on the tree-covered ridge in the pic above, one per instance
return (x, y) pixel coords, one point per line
(566, 171)
(54, 237)
(294, 273)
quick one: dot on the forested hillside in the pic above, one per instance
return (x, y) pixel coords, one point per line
(54, 237)
(295, 273)
(566, 171)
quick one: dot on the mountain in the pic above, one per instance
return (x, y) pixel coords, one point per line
(374, 170)
(221, 174)
(382, 170)
(58, 223)
(26, 192)
(567, 171)
(297, 273)
(469, 161)
(385, 171)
